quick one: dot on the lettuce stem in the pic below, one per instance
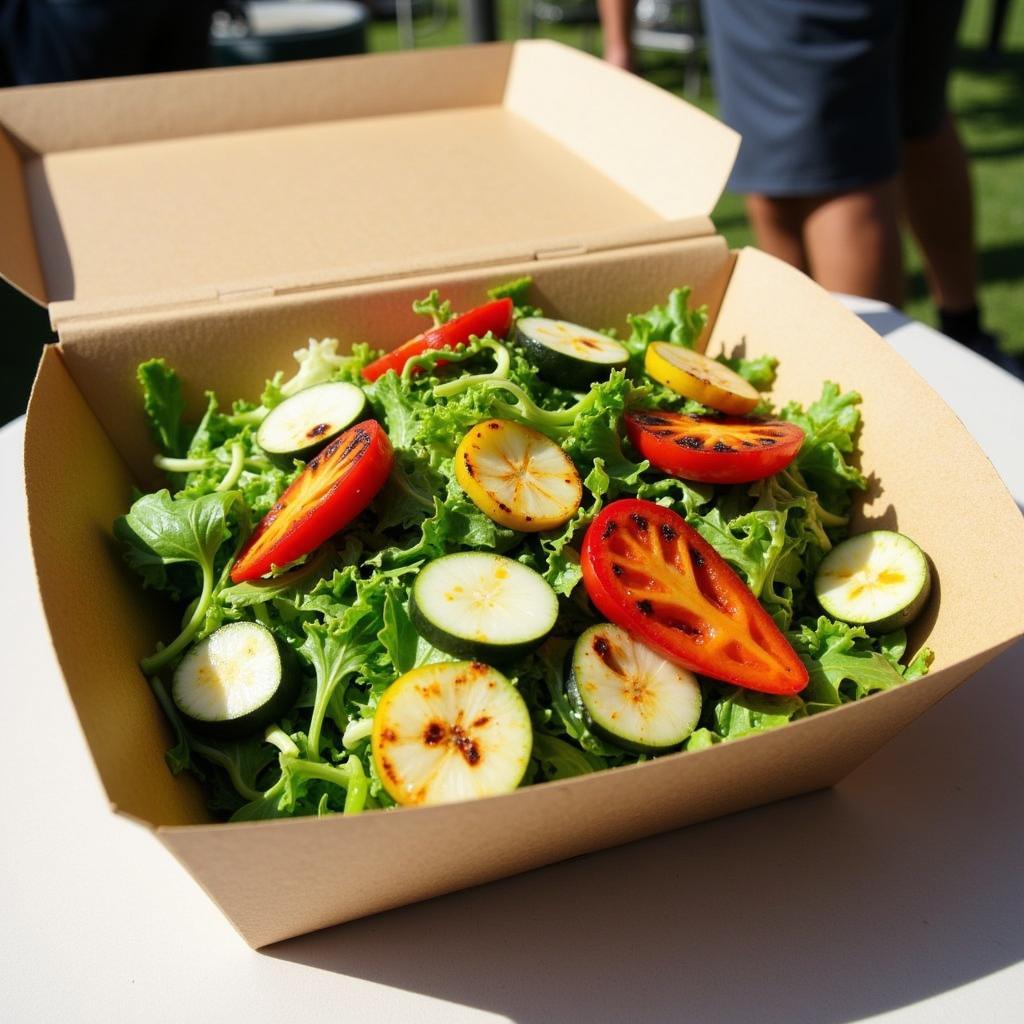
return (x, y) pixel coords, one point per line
(358, 786)
(252, 418)
(196, 465)
(356, 731)
(525, 408)
(165, 655)
(235, 469)
(279, 738)
(172, 465)
(429, 359)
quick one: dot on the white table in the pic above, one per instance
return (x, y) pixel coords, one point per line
(897, 896)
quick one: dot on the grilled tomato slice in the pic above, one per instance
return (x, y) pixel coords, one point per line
(714, 449)
(653, 575)
(332, 490)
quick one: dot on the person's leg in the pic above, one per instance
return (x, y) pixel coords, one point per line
(778, 224)
(848, 242)
(811, 88)
(852, 240)
(617, 31)
(937, 201)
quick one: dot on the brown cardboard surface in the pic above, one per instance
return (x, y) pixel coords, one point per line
(337, 195)
(112, 112)
(194, 187)
(274, 879)
(76, 484)
(640, 136)
(18, 261)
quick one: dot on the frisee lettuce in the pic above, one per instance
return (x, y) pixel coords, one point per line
(345, 610)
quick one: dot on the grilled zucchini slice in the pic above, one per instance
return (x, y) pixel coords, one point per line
(476, 604)
(567, 354)
(517, 476)
(695, 376)
(452, 731)
(236, 681)
(879, 580)
(303, 424)
(629, 694)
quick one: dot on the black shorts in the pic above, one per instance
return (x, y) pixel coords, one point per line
(824, 92)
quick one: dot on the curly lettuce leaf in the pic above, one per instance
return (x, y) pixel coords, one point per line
(759, 371)
(518, 291)
(162, 403)
(440, 312)
(830, 425)
(742, 712)
(674, 322)
(845, 663)
(319, 362)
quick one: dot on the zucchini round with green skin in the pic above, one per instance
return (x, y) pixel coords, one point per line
(567, 354)
(452, 731)
(879, 580)
(482, 606)
(629, 694)
(236, 681)
(301, 425)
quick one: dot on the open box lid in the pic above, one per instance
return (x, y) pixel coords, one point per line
(132, 194)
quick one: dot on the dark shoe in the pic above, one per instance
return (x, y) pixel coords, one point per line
(987, 345)
(965, 326)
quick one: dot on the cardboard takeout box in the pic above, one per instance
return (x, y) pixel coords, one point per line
(221, 218)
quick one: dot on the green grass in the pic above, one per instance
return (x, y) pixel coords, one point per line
(989, 104)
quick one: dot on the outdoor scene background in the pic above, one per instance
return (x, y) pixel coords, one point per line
(988, 99)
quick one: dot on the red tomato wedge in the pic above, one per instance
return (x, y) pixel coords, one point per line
(714, 449)
(331, 491)
(649, 572)
(495, 317)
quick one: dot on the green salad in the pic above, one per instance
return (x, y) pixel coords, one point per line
(511, 551)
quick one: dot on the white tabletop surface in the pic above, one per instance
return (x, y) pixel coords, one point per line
(902, 903)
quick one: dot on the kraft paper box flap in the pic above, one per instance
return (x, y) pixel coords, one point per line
(194, 187)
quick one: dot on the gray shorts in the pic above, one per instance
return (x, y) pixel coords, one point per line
(824, 92)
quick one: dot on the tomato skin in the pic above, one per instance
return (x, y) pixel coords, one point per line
(651, 573)
(330, 492)
(495, 317)
(599, 597)
(713, 449)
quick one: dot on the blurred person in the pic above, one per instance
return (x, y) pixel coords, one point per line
(616, 31)
(64, 40)
(842, 108)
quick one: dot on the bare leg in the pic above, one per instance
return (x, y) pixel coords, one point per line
(853, 242)
(847, 243)
(778, 227)
(937, 200)
(617, 31)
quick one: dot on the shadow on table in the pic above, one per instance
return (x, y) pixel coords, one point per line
(885, 321)
(902, 883)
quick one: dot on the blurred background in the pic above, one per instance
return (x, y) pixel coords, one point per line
(987, 98)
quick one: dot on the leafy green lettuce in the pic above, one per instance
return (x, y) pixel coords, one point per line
(344, 612)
